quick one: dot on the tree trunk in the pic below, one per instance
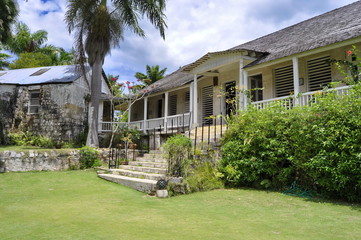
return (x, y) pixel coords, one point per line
(96, 84)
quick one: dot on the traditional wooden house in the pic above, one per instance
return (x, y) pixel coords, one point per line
(291, 63)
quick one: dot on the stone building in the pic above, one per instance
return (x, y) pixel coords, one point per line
(49, 101)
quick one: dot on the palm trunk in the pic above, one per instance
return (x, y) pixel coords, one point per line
(96, 83)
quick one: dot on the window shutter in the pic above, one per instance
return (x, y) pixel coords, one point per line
(319, 73)
(207, 104)
(284, 81)
(187, 98)
(173, 105)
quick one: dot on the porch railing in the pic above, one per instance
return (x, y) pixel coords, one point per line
(304, 99)
(174, 121)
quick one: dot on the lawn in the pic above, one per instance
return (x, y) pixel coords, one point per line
(78, 205)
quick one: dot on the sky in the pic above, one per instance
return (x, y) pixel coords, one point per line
(194, 29)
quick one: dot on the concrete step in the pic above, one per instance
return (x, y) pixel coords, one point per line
(150, 158)
(144, 169)
(143, 185)
(135, 174)
(148, 164)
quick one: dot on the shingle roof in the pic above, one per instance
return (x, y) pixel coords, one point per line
(335, 26)
(54, 74)
(173, 80)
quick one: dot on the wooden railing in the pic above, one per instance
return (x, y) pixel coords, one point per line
(304, 99)
(174, 121)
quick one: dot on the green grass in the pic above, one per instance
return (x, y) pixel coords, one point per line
(78, 205)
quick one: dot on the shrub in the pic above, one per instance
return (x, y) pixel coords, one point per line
(89, 157)
(178, 149)
(20, 138)
(318, 146)
(204, 177)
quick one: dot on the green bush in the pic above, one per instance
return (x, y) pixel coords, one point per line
(20, 138)
(89, 158)
(178, 150)
(204, 177)
(319, 146)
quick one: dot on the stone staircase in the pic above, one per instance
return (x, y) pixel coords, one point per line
(141, 174)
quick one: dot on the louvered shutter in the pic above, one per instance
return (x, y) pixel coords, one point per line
(173, 105)
(187, 98)
(207, 104)
(319, 73)
(284, 81)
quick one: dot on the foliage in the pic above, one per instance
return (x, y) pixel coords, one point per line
(31, 59)
(349, 69)
(20, 138)
(204, 177)
(8, 13)
(23, 40)
(178, 149)
(318, 146)
(152, 75)
(89, 158)
(99, 26)
(3, 60)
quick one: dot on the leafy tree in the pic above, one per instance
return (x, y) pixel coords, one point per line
(29, 60)
(100, 25)
(152, 75)
(3, 60)
(8, 13)
(23, 40)
(58, 55)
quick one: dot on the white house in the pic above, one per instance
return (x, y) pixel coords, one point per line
(290, 62)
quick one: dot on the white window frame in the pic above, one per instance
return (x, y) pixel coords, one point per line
(34, 102)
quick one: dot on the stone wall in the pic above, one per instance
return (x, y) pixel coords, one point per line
(62, 112)
(32, 160)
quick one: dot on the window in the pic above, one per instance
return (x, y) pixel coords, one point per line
(230, 97)
(173, 105)
(319, 73)
(284, 81)
(207, 105)
(39, 72)
(187, 99)
(256, 88)
(34, 101)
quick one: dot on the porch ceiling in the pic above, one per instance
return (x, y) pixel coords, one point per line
(215, 60)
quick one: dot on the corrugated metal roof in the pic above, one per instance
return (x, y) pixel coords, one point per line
(55, 74)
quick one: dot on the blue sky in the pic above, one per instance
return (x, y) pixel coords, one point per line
(194, 28)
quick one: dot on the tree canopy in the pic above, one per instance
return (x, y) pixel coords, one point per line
(8, 13)
(101, 25)
(152, 74)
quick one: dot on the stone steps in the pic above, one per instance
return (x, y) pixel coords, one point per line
(144, 169)
(141, 174)
(143, 185)
(137, 174)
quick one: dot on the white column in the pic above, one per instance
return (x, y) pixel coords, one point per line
(166, 102)
(145, 114)
(191, 102)
(245, 81)
(241, 85)
(296, 78)
(195, 100)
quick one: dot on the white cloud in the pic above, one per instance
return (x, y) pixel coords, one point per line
(194, 28)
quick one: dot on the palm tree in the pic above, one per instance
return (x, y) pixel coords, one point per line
(23, 40)
(153, 74)
(8, 13)
(100, 25)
